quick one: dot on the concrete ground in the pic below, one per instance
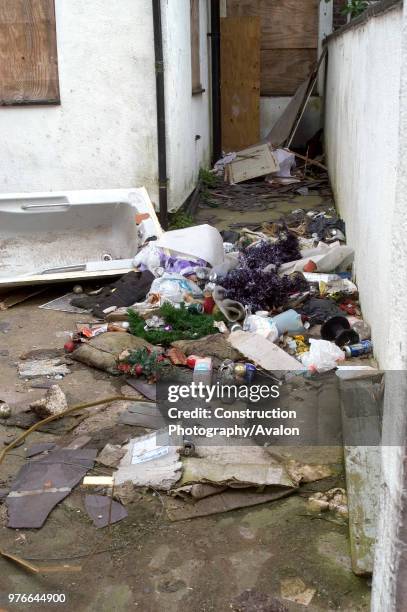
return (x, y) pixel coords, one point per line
(145, 562)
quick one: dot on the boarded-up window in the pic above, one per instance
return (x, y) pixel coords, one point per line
(195, 48)
(28, 52)
(289, 40)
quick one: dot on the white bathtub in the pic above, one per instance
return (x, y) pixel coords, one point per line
(56, 236)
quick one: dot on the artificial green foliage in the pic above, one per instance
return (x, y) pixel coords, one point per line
(150, 363)
(185, 325)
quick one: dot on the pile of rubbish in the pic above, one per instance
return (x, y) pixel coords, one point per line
(289, 284)
(225, 307)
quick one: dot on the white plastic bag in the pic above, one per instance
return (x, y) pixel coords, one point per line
(173, 287)
(322, 356)
(148, 256)
(263, 326)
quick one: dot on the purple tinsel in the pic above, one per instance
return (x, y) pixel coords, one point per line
(260, 290)
(260, 256)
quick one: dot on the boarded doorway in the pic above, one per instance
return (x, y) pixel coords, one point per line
(240, 82)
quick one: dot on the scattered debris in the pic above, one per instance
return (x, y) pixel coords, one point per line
(104, 511)
(263, 353)
(54, 402)
(63, 304)
(110, 455)
(295, 589)
(251, 163)
(43, 367)
(151, 461)
(42, 483)
(335, 500)
(255, 601)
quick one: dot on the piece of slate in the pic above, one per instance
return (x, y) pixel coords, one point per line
(149, 391)
(42, 483)
(38, 448)
(142, 414)
(103, 510)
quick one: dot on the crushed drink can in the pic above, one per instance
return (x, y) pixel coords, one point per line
(250, 372)
(361, 348)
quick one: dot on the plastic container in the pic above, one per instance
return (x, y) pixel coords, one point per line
(203, 370)
(289, 322)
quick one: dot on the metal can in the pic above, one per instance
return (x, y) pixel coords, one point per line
(236, 327)
(196, 308)
(250, 372)
(361, 348)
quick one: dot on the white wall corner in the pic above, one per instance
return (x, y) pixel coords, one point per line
(324, 29)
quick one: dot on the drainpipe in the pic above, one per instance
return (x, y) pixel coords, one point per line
(160, 95)
(215, 55)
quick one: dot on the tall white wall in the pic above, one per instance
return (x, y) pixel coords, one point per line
(362, 137)
(188, 116)
(103, 135)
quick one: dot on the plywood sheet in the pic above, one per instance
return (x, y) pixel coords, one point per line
(28, 52)
(285, 24)
(283, 70)
(240, 82)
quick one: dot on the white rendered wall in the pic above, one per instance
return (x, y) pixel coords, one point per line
(271, 109)
(103, 135)
(188, 116)
(362, 139)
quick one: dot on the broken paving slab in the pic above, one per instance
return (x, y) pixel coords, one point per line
(111, 455)
(42, 483)
(151, 461)
(43, 367)
(104, 510)
(264, 353)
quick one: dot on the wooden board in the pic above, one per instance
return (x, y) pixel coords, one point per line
(285, 24)
(28, 52)
(251, 163)
(283, 70)
(240, 82)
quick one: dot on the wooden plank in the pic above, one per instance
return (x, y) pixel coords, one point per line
(251, 163)
(240, 82)
(28, 52)
(361, 410)
(195, 48)
(283, 70)
(285, 24)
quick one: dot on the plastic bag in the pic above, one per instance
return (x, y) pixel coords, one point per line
(263, 326)
(148, 258)
(173, 287)
(322, 356)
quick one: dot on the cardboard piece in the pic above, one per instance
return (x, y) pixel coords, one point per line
(264, 353)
